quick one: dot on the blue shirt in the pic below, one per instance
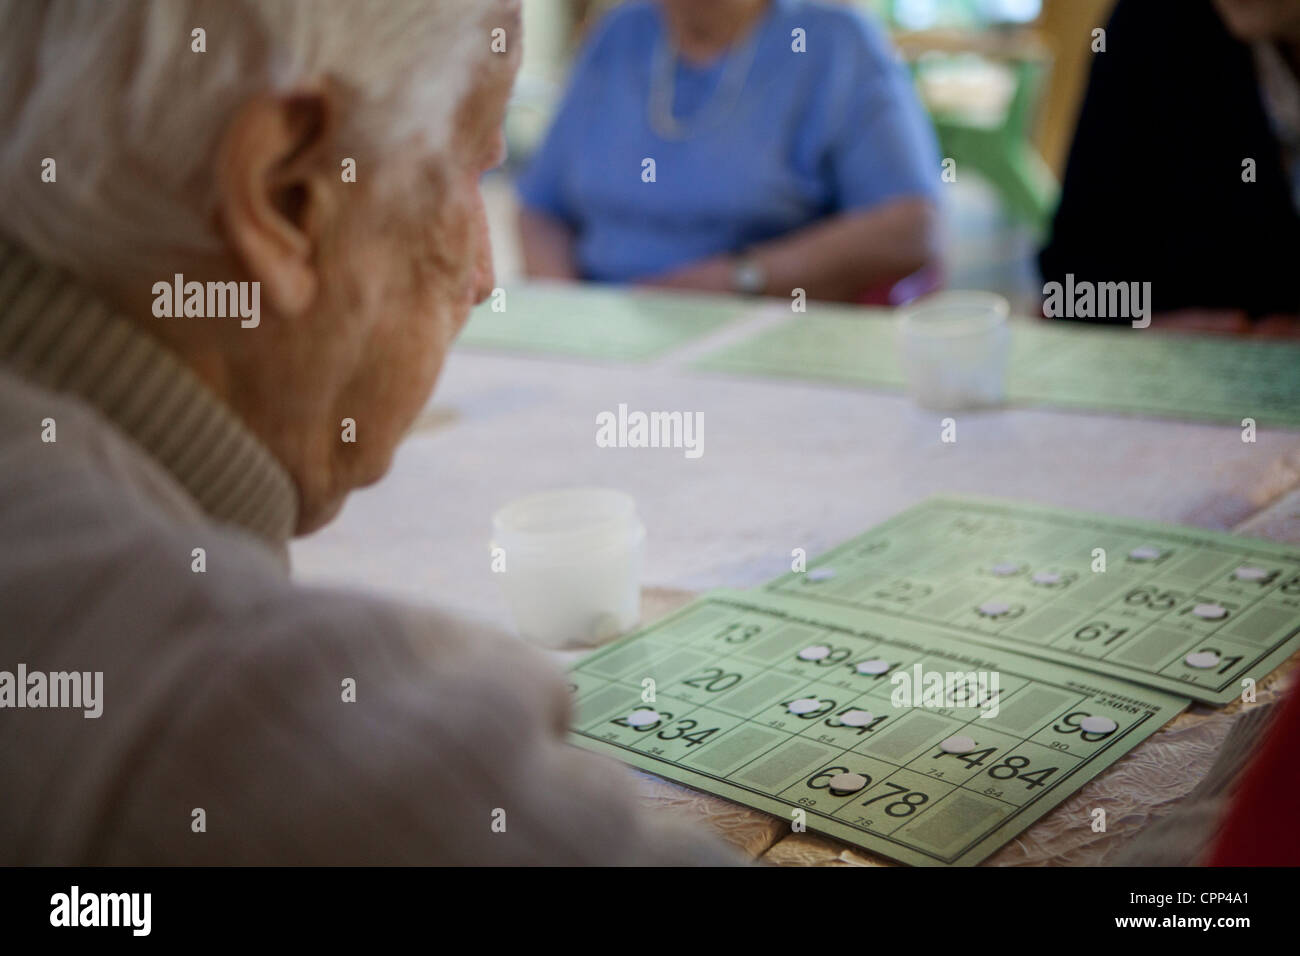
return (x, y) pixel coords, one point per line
(813, 133)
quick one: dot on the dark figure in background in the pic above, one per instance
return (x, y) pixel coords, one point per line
(1158, 187)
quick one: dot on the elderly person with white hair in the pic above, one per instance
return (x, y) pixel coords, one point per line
(195, 292)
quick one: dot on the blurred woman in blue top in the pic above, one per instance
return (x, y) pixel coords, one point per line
(755, 146)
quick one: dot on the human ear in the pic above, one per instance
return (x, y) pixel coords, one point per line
(273, 192)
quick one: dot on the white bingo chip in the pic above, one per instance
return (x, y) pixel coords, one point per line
(1210, 612)
(643, 718)
(1248, 573)
(815, 653)
(1006, 569)
(821, 574)
(1097, 725)
(804, 705)
(994, 608)
(1202, 660)
(1046, 577)
(847, 782)
(958, 744)
(1145, 553)
(875, 666)
(856, 718)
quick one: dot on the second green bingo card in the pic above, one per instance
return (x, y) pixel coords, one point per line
(1189, 611)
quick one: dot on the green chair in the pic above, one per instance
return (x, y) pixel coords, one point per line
(1003, 153)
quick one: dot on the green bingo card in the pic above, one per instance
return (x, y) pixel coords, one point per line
(787, 705)
(596, 323)
(1055, 364)
(1189, 611)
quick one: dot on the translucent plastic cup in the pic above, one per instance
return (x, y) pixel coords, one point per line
(954, 348)
(572, 562)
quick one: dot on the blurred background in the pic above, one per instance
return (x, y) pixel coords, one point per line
(1001, 80)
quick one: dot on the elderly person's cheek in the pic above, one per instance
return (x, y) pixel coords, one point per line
(484, 272)
(455, 267)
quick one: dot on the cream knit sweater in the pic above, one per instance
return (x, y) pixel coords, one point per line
(222, 689)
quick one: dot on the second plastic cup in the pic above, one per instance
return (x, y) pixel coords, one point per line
(954, 348)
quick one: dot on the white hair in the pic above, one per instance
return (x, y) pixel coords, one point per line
(113, 91)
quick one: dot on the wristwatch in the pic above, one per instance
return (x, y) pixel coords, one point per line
(748, 277)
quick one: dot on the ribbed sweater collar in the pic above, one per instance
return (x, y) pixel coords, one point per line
(60, 335)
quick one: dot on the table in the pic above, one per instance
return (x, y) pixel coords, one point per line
(789, 465)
